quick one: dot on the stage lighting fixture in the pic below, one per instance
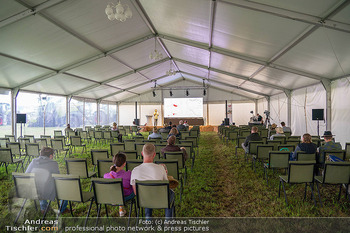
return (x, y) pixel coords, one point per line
(154, 94)
(204, 92)
(187, 93)
(171, 93)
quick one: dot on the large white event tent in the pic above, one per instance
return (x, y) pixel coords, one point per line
(285, 56)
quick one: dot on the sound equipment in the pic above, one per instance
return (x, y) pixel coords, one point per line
(317, 114)
(137, 121)
(226, 121)
(21, 118)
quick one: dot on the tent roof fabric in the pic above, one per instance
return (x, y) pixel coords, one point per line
(241, 50)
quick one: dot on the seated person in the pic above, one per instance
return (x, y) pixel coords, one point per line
(68, 129)
(254, 136)
(117, 171)
(285, 128)
(43, 167)
(169, 126)
(155, 134)
(186, 124)
(306, 145)
(329, 145)
(174, 132)
(171, 147)
(115, 128)
(279, 132)
(150, 171)
(181, 126)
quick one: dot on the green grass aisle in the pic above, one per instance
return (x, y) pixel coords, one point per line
(222, 186)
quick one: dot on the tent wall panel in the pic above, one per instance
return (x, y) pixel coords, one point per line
(241, 112)
(340, 110)
(279, 109)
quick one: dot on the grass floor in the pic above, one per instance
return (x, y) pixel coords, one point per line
(220, 185)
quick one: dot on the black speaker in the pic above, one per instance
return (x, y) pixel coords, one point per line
(21, 118)
(137, 121)
(226, 121)
(317, 114)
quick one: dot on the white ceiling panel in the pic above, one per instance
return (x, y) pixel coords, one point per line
(59, 84)
(260, 88)
(98, 92)
(128, 81)
(188, 53)
(9, 8)
(284, 79)
(138, 55)
(312, 7)
(253, 33)
(166, 80)
(14, 73)
(225, 78)
(120, 97)
(233, 65)
(100, 70)
(143, 88)
(315, 54)
(181, 18)
(343, 16)
(88, 19)
(192, 69)
(53, 48)
(35, 2)
(158, 70)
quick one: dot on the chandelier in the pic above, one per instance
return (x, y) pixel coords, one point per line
(156, 55)
(171, 71)
(122, 12)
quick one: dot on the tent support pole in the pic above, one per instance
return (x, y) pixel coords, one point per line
(327, 86)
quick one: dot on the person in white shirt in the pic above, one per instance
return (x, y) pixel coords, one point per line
(150, 171)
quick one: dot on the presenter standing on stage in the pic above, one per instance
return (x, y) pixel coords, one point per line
(155, 115)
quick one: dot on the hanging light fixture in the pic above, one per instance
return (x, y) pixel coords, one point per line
(171, 92)
(156, 55)
(122, 12)
(171, 71)
(154, 92)
(187, 93)
(204, 90)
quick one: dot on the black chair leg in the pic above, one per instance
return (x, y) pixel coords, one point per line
(305, 191)
(279, 189)
(19, 213)
(98, 213)
(71, 209)
(285, 195)
(339, 192)
(319, 193)
(87, 216)
(312, 193)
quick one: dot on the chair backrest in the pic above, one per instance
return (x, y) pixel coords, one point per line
(178, 155)
(68, 187)
(184, 134)
(244, 133)
(70, 134)
(84, 135)
(274, 143)
(116, 147)
(32, 149)
(286, 147)
(282, 139)
(172, 166)
(6, 155)
(129, 144)
(98, 135)
(301, 171)
(347, 150)
(122, 131)
(57, 144)
(132, 163)
(152, 141)
(240, 140)
(338, 153)
(138, 138)
(253, 146)
(98, 155)
(31, 138)
(25, 185)
(193, 139)
(164, 135)
(139, 147)
(108, 191)
(103, 166)
(262, 151)
(47, 137)
(336, 173)
(11, 138)
(107, 135)
(279, 159)
(264, 132)
(42, 142)
(302, 156)
(153, 194)
(233, 135)
(3, 142)
(114, 134)
(15, 148)
(194, 132)
(294, 142)
(75, 140)
(130, 154)
(77, 166)
(23, 142)
(287, 134)
(294, 138)
(57, 133)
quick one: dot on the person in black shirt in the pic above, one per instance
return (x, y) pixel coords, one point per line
(254, 136)
(307, 146)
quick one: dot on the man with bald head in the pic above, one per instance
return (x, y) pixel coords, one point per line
(150, 171)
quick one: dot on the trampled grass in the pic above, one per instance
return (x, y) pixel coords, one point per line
(220, 185)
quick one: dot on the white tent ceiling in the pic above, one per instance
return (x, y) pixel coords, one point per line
(244, 50)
